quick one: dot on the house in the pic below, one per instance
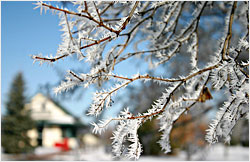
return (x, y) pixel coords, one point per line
(54, 124)
(90, 141)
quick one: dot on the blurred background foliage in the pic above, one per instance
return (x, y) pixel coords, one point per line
(17, 121)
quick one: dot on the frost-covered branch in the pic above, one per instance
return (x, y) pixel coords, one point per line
(102, 34)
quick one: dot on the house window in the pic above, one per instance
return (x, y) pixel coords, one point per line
(69, 132)
(43, 106)
(40, 139)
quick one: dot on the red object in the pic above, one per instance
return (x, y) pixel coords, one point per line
(64, 145)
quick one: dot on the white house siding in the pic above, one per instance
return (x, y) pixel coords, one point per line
(51, 135)
(73, 143)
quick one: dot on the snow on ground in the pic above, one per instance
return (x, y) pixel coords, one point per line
(236, 153)
(44, 150)
(216, 153)
(91, 154)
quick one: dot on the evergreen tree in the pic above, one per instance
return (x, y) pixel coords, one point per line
(17, 121)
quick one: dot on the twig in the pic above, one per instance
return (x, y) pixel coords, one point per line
(76, 76)
(229, 34)
(85, 16)
(97, 11)
(106, 8)
(97, 42)
(129, 17)
(71, 37)
(65, 55)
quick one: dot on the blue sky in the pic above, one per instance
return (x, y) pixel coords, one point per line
(25, 32)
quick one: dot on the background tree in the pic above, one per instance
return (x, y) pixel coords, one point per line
(163, 34)
(17, 121)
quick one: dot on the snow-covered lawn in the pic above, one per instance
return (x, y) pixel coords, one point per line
(215, 153)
